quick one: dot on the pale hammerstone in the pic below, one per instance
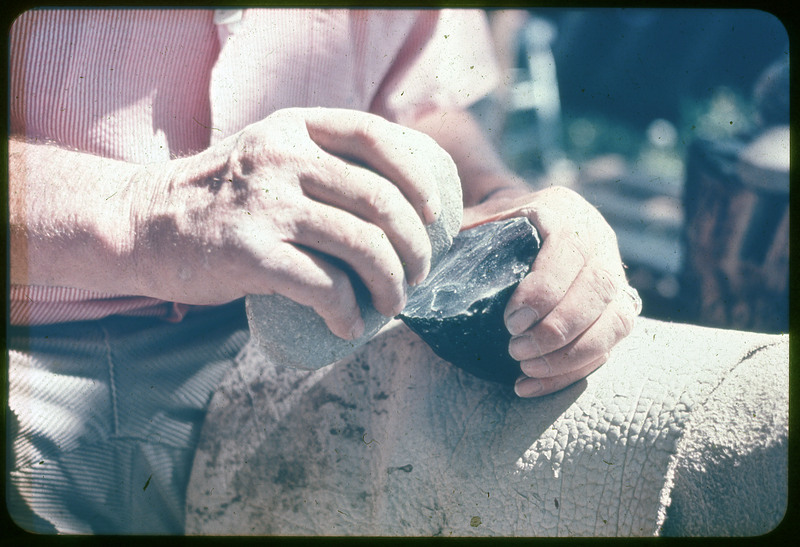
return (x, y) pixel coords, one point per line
(290, 334)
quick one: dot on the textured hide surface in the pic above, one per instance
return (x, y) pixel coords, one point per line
(683, 431)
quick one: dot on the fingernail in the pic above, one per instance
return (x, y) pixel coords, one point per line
(527, 387)
(538, 368)
(521, 320)
(421, 277)
(521, 347)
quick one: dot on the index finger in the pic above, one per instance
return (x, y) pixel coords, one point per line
(400, 154)
(555, 269)
(587, 298)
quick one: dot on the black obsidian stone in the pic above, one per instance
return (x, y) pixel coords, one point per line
(458, 310)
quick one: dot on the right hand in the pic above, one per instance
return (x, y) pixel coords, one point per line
(259, 213)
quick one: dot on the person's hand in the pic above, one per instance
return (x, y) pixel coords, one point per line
(278, 207)
(575, 304)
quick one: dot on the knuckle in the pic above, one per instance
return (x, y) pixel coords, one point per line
(551, 385)
(242, 156)
(602, 283)
(285, 113)
(575, 242)
(564, 193)
(623, 324)
(555, 331)
(365, 131)
(383, 203)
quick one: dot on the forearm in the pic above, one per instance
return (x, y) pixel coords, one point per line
(488, 185)
(71, 218)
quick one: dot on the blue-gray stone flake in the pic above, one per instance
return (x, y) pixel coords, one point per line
(458, 310)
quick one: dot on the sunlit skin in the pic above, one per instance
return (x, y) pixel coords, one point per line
(247, 215)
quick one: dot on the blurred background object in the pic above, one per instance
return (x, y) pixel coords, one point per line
(674, 123)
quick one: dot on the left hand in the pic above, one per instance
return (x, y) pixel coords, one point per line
(575, 304)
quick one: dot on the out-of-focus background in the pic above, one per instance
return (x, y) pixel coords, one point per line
(675, 124)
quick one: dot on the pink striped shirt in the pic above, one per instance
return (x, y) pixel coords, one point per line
(147, 85)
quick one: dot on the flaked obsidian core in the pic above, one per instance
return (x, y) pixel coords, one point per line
(458, 310)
